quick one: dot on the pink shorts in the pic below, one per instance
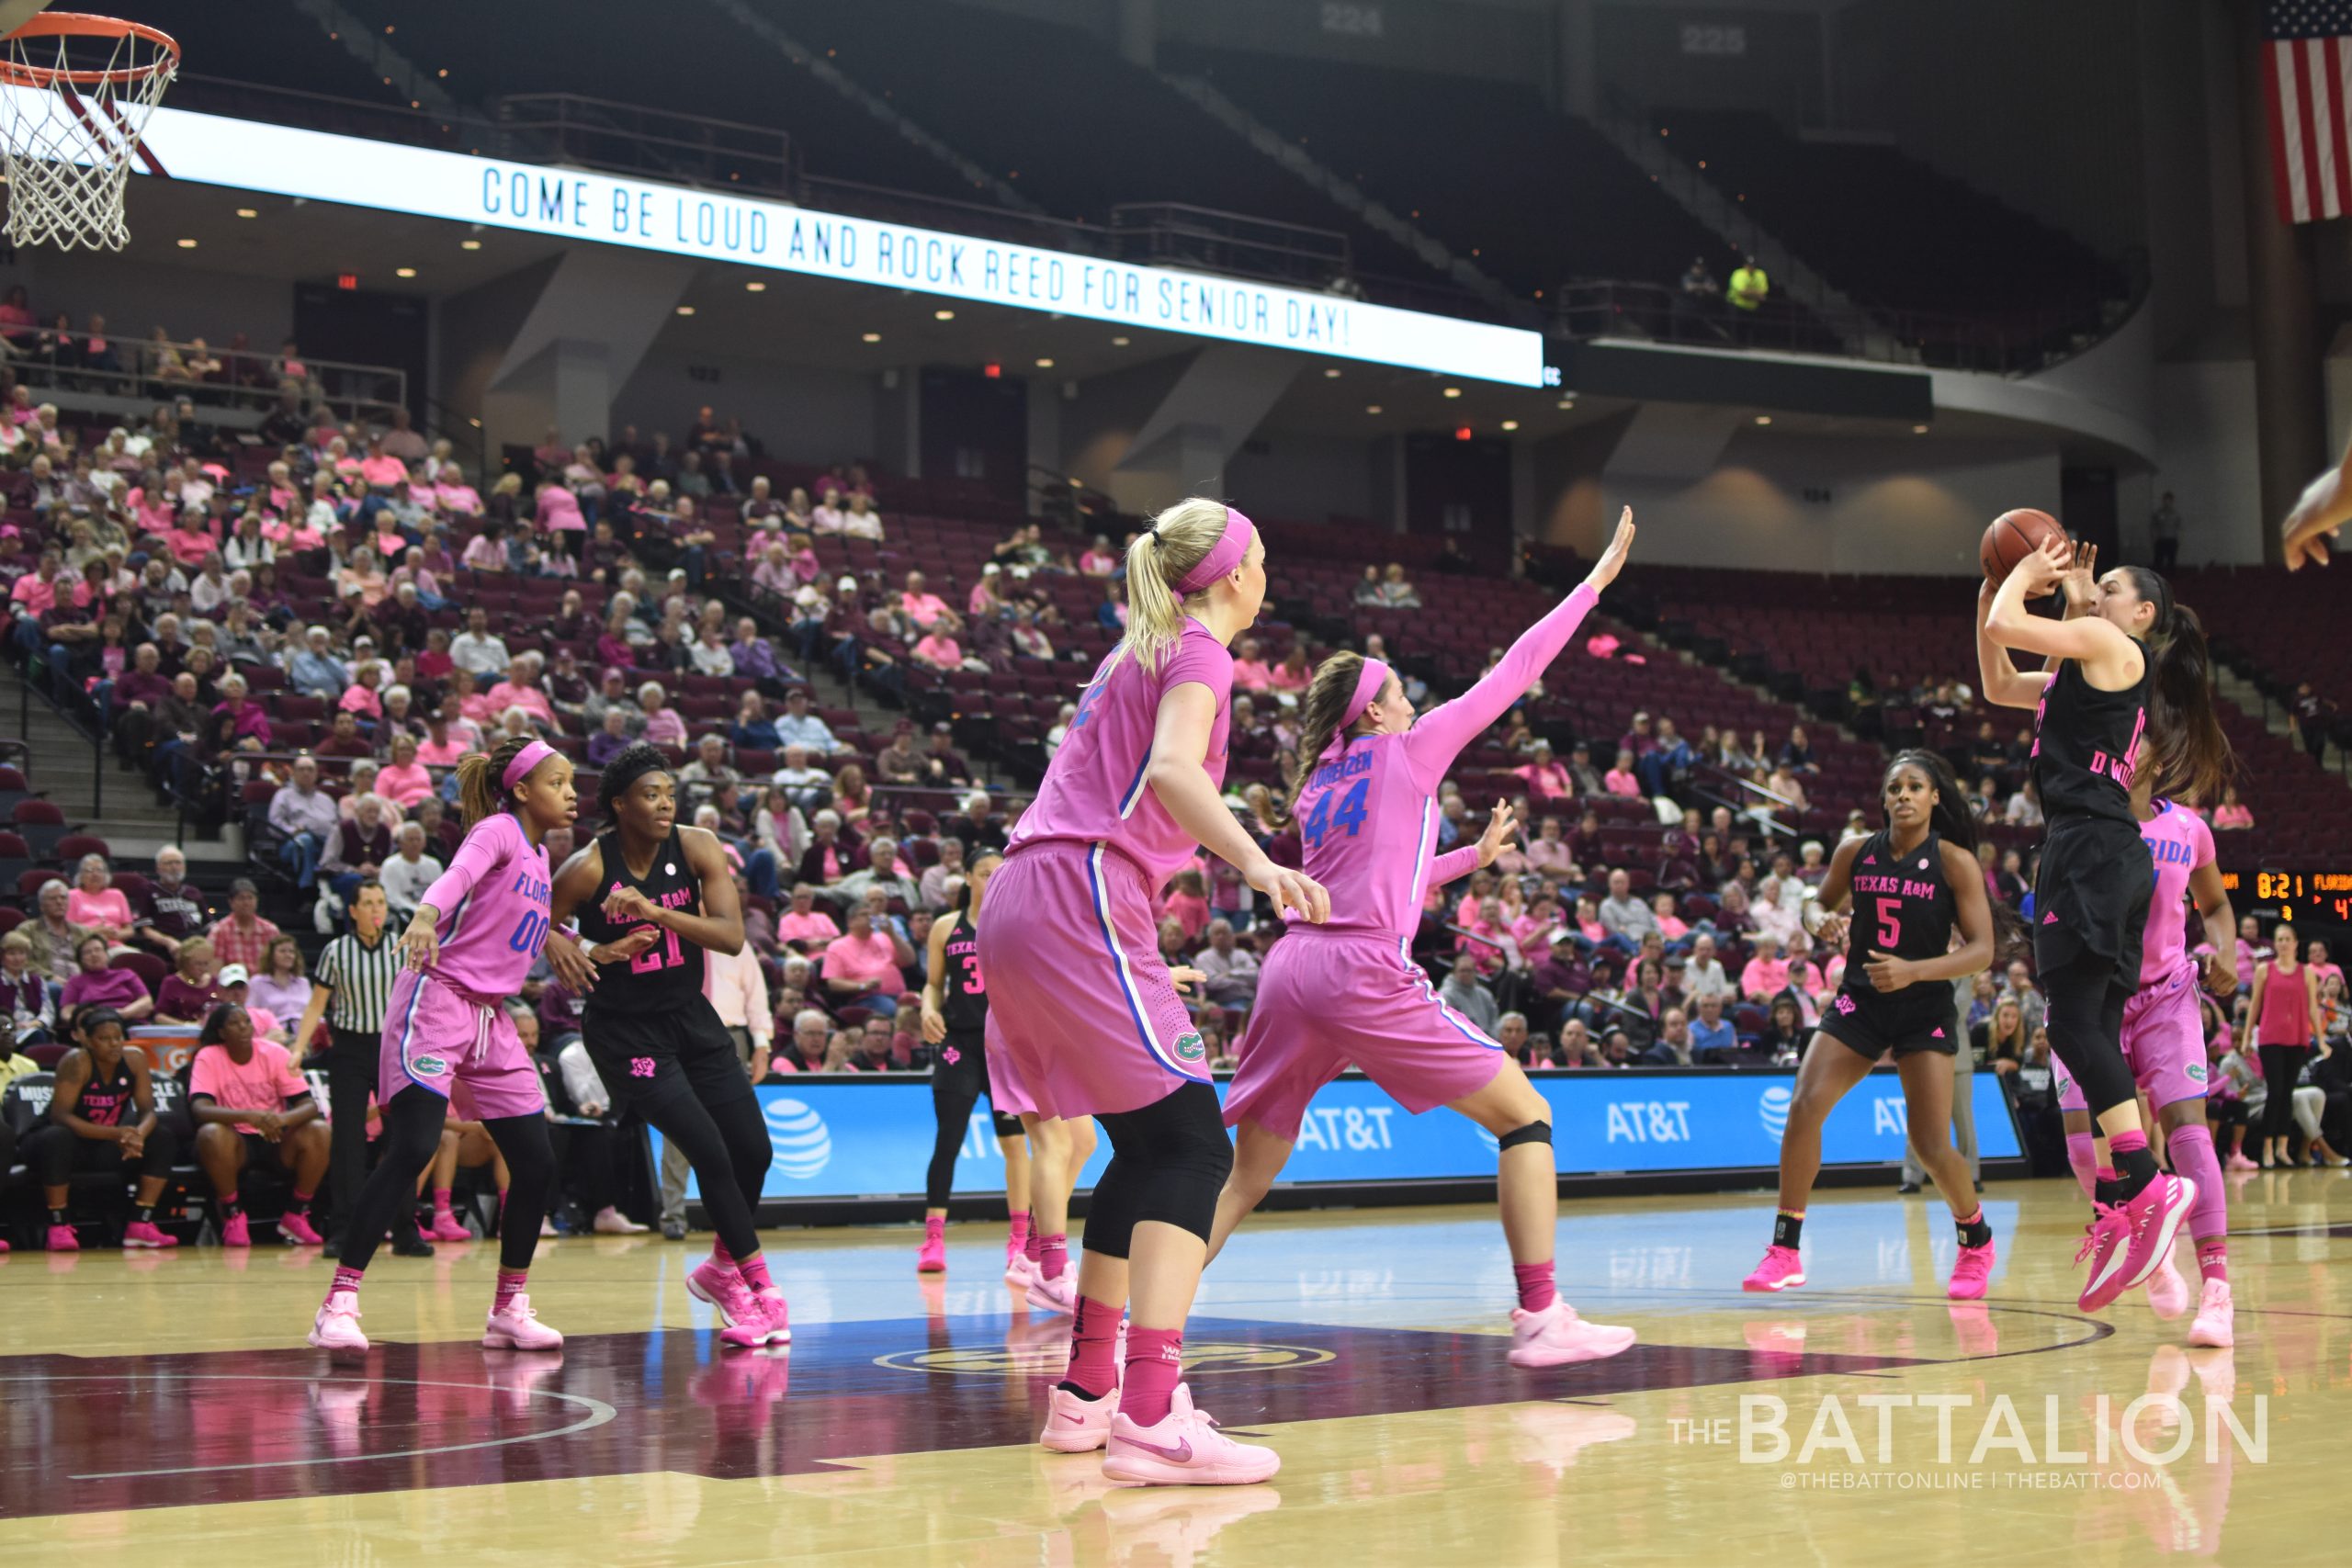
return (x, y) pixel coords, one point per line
(2164, 1042)
(1326, 1002)
(1077, 993)
(1008, 1096)
(462, 1047)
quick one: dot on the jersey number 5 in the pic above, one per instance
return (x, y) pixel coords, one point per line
(1348, 814)
(1890, 923)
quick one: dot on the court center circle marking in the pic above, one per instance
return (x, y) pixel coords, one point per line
(598, 1414)
(1207, 1359)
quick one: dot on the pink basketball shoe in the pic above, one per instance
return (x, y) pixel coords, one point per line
(1019, 1271)
(1556, 1336)
(779, 1324)
(933, 1259)
(519, 1328)
(1781, 1269)
(144, 1233)
(1972, 1274)
(1077, 1425)
(1185, 1449)
(2215, 1328)
(237, 1233)
(2167, 1291)
(719, 1284)
(61, 1238)
(445, 1226)
(337, 1326)
(2128, 1240)
(298, 1230)
(1056, 1294)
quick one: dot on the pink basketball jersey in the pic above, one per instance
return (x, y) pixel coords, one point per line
(1367, 820)
(1094, 790)
(493, 906)
(2178, 842)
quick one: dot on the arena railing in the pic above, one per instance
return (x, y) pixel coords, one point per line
(250, 380)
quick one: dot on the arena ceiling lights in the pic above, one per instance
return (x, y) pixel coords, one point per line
(574, 204)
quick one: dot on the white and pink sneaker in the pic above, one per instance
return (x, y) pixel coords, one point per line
(1019, 1271)
(144, 1233)
(779, 1325)
(748, 1320)
(2128, 1240)
(2214, 1328)
(337, 1326)
(1056, 1294)
(1077, 1425)
(1555, 1336)
(298, 1230)
(1781, 1269)
(1183, 1449)
(2167, 1290)
(1972, 1273)
(519, 1328)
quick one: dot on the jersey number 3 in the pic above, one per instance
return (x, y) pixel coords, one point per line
(1348, 814)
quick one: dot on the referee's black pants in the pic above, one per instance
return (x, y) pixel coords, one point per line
(351, 1079)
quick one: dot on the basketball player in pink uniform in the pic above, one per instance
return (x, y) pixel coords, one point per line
(1348, 993)
(447, 1038)
(1086, 1012)
(2164, 1042)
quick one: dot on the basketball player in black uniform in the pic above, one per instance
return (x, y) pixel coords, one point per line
(1909, 884)
(2125, 663)
(954, 1019)
(102, 1117)
(650, 897)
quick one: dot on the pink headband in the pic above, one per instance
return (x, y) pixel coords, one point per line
(1368, 685)
(529, 757)
(1223, 556)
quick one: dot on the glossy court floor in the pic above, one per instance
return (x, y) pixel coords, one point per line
(162, 1410)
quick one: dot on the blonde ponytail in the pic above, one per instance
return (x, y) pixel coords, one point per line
(1179, 539)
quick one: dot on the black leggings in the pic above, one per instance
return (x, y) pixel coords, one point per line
(2085, 1022)
(956, 1088)
(2281, 1065)
(1169, 1162)
(55, 1152)
(412, 1122)
(727, 1143)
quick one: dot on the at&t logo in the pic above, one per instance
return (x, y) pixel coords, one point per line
(1774, 1110)
(803, 1146)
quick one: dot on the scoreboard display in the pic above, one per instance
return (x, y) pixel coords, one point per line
(2309, 896)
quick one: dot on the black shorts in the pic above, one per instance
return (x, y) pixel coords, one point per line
(647, 1059)
(966, 1078)
(261, 1151)
(1869, 1022)
(2091, 896)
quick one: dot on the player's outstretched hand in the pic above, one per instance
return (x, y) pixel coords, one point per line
(1187, 979)
(1612, 560)
(2080, 584)
(2325, 505)
(2044, 568)
(573, 968)
(1500, 826)
(1291, 890)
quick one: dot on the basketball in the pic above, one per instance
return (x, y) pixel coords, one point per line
(2013, 535)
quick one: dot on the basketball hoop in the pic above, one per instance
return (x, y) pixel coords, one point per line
(75, 92)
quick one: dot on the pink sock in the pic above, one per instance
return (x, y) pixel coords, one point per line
(2213, 1256)
(511, 1284)
(1053, 1255)
(1020, 1237)
(719, 1255)
(441, 1200)
(1032, 1246)
(755, 1273)
(2083, 1158)
(1093, 1349)
(1155, 1365)
(934, 1227)
(2191, 1149)
(1536, 1291)
(346, 1278)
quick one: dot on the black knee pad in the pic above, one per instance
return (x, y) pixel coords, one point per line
(1190, 1157)
(1533, 1132)
(1006, 1126)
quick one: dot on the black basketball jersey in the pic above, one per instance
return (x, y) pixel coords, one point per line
(963, 993)
(1901, 906)
(108, 1102)
(2083, 743)
(668, 973)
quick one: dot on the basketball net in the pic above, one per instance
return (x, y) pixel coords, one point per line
(75, 93)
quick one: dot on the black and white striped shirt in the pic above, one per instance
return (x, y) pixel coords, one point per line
(360, 978)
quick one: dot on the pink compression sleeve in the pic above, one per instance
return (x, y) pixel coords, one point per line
(1440, 734)
(483, 849)
(1451, 865)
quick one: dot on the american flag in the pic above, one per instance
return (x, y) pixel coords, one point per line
(2307, 81)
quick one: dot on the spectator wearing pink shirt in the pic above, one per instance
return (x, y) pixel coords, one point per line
(451, 493)
(983, 603)
(521, 690)
(920, 606)
(440, 748)
(663, 724)
(937, 650)
(804, 922)
(1767, 974)
(1546, 778)
(361, 698)
(406, 780)
(1669, 925)
(95, 903)
(862, 966)
(381, 468)
(1250, 672)
(1549, 852)
(1620, 780)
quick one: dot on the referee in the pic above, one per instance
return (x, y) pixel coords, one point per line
(350, 988)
